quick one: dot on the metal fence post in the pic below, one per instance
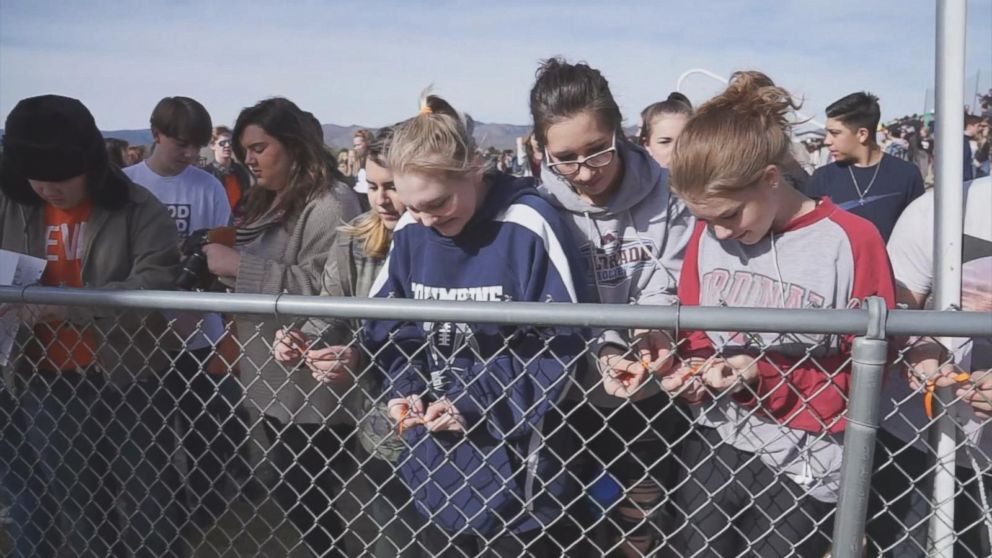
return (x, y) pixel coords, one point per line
(951, 31)
(869, 357)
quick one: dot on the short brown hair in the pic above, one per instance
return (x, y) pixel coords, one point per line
(220, 131)
(365, 135)
(182, 118)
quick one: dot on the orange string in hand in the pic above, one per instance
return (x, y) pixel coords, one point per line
(693, 370)
(932, 386)
(402, 425)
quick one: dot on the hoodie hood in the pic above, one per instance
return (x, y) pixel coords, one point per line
(503, 191)
(640, 176)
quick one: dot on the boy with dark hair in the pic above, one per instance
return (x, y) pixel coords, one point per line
(196, 200)
(863, 180)
(181, 118)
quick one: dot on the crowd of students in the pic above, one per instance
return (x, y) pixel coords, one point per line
(478, 439)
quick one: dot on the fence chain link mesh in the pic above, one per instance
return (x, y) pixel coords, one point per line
(210, 447)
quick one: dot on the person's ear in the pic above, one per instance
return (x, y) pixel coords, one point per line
(772, 176)
(863, 135)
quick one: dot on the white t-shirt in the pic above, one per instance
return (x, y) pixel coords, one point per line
(195, 200)
(361, 185)
(911, 252)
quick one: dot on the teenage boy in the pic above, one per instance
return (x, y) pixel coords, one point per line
(196, 200)
(863, 180)
(231, 174)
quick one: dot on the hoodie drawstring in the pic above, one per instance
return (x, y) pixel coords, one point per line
(590, 229)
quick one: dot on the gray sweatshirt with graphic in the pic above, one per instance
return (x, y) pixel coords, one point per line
(633, 246)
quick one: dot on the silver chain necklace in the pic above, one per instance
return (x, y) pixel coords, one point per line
(861, 195)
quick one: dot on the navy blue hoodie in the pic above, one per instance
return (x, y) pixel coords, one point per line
(505, 381)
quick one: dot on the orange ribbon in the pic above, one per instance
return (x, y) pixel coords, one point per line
(402, 425)
(693, 370)
(932, 386)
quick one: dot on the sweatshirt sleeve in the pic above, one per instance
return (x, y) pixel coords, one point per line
(911, 247)
(811, 394)
(693, 343)
(661, 288)
(318, 228)
(335, 280)
(397, 346)
(526, 379)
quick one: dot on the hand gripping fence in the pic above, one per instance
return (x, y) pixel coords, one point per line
(313, 446)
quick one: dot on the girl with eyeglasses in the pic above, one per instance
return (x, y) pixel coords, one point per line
(632, 233)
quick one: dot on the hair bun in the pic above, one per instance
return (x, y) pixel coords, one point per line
(753, 94)
(677, 97)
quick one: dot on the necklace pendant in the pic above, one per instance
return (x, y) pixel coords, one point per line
(861, 201)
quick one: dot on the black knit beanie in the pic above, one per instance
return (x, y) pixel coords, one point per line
(52, 138)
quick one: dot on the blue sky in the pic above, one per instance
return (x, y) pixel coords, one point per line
(365, 62)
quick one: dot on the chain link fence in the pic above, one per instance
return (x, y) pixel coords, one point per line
(472, 429)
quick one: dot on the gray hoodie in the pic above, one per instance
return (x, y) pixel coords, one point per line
(633, 246)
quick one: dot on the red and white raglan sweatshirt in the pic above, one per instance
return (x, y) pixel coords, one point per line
(793, 415)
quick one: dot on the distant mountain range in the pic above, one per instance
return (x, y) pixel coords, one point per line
(500, 136)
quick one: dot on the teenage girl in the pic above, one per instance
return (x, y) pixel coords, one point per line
(763, 464)
(476, 404)
(632, 234)
(661, 124)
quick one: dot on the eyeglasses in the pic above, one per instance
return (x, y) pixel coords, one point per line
(224, 143)
(594, 161)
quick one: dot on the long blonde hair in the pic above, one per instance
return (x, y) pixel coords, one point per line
(369, 228)
(732, 138)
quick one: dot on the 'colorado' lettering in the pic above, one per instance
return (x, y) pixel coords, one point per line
(492, 293)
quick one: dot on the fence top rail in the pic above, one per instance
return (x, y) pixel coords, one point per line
(837, 321)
